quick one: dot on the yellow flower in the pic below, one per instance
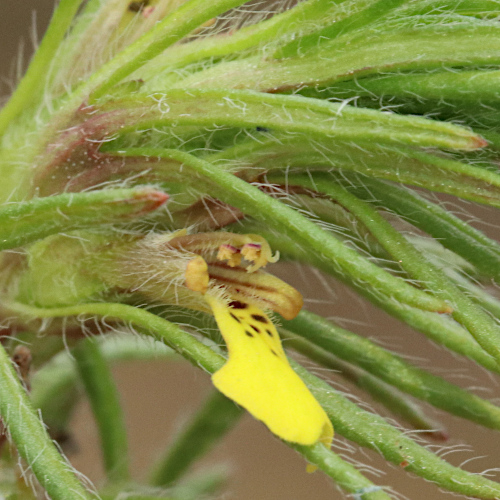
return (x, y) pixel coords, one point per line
(257, 374)
(259, 377)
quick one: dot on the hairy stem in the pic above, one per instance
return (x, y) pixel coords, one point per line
(31, 439)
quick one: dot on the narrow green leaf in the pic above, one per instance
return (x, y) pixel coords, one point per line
(185, 344)
(466, 96)
(467, 86)
(480, 324)
(105, 402)
(31, 439)
(357, 20)
(395, 163)
(346, 58)
(281, 26)
(25, 222)
(206, 428)
(481, 8)
(461, 278)
(189, 16)
(346, 475)
(243, 108)
(451, 232)
(394, 370)
(437, 327)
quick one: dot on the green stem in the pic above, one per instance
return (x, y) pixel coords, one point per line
(356, 56)
(347, 476)
(186, 345)
(105, 402)
(480, 8)
(399, 164)
(25, 222)
(31, 439)
(467, 88)
(437, 327)
(247, 108)
(479, 295)
(209, 425)
(32, 84)
(280, 25)
(374, 432)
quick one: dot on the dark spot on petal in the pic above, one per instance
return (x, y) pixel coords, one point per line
(255, 328)
(269, 332)
(250, 334)
(274, 352)
(236, 304)
(235, 317)
(258, 317)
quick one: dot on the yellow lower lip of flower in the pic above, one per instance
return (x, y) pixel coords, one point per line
(259, 377)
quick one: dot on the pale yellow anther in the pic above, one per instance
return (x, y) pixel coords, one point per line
(196, 276)
(230, 254)
(257, 251)
(252, 252)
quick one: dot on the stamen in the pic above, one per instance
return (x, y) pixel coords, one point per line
(260, 289)
(220, 245)
(231, 254)
(197, 275)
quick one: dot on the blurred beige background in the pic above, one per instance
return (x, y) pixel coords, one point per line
(160, 396)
